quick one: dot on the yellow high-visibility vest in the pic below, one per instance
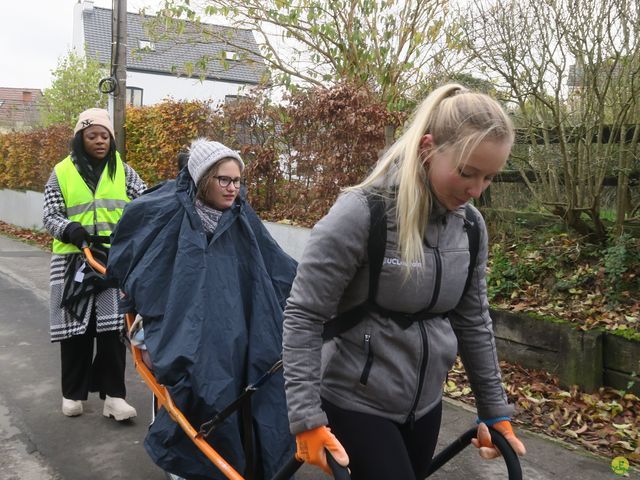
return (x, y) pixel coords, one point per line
(98, 212)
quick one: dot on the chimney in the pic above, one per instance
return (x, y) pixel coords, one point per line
(26, 96)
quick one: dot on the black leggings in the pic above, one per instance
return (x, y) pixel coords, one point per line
(380, 449)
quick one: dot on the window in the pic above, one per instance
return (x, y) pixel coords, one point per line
(146, 45)
(134, 96)
(229, 55)
(228, 99)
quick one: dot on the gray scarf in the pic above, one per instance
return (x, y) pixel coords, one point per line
(209, 216)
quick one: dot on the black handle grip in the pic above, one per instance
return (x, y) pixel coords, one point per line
(510, 457)
(293, 464)
(100, 239)
(288, 469)
(339, 472)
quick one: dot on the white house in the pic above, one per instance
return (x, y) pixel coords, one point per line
(152, 66)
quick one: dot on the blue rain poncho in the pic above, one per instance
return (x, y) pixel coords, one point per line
(212, 312)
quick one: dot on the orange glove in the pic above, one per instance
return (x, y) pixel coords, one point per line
(483, 440)
(311, 444)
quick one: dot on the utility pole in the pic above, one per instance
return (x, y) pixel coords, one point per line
(119, 39)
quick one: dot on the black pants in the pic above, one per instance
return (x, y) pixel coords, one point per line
(380, 449)
(83, 372)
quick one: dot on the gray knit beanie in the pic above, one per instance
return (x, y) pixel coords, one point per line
(203, 154)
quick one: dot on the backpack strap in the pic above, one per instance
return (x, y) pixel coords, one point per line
(472, 227)
(375, 251)
(376, 245)
(377, 242)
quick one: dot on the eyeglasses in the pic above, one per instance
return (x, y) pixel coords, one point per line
(225, 181)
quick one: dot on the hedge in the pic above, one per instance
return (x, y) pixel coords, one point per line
(299, 154)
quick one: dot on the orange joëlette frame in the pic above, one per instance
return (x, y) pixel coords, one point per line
(163, 396)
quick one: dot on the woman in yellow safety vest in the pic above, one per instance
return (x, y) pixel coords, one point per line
(84, 197)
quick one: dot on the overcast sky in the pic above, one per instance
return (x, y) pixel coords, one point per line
(34, 34)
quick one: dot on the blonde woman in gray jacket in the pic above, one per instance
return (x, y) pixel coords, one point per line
(378, 382)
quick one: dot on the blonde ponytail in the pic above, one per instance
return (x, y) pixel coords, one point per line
(456, 118)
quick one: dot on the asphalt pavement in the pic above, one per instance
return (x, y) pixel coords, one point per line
(38, 443)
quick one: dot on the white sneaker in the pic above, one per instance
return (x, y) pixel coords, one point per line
(118, 409)
(71, 408)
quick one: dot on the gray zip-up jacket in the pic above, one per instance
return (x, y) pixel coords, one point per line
(379, 366)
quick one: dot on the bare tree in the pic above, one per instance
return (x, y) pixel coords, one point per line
(390, 45)
(571, 70)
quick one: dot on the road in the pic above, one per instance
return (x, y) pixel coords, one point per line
(55, 446)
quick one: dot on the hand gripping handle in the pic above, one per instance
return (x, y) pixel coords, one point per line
(510, 457)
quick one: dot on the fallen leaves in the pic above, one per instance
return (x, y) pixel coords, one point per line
(39, 238)
(605, 422)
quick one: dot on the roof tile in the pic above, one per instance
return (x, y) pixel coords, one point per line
(170, 57)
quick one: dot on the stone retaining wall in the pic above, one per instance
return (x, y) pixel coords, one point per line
(589, 359)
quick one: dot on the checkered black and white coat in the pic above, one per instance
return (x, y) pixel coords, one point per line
(54, 217)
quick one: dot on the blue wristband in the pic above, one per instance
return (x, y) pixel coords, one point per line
(492, 421)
